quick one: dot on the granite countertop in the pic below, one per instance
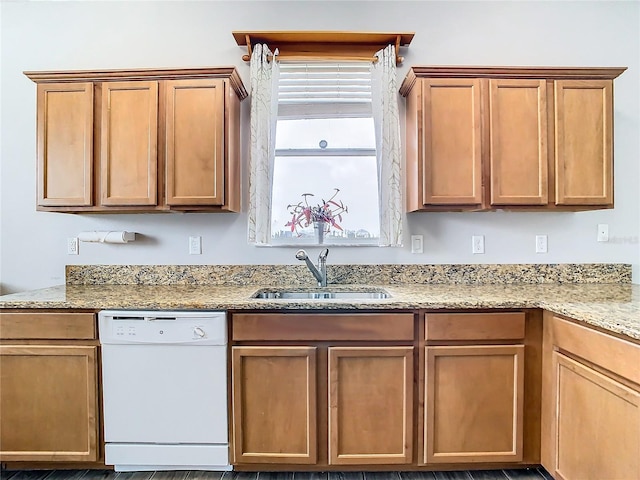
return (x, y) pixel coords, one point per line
(611, 307)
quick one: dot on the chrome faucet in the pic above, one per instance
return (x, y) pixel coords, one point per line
(321, 272)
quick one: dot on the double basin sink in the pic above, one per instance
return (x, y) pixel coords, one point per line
(273, 294)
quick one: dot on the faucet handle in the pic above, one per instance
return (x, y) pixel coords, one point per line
(323, 254)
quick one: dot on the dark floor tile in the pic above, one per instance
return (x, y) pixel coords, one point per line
(201, 475)
(243, 475)
(524, 474)
(381, 476)
(66, 475)
(346, 476)
(29, 475)
(173, 475)
(417, 475)
(134, 476)
(544, 473)
(459, 475)
(275, 476)
(487, 475)
(99, 475)
(310, 476)
(5, 475)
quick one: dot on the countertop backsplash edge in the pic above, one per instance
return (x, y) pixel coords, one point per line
(298, 275)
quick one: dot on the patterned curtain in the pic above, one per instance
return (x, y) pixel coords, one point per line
(264, 114)
(384, 94)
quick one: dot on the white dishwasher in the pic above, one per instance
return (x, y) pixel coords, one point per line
(164, 377)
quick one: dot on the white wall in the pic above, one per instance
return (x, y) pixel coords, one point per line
(85, 35)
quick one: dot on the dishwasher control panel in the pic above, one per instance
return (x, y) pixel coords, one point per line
(204, 328)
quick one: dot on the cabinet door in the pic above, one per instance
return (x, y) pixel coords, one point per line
(274, 405)
(518, 153)
(48, 399)
(474, 404)
(584, 148)
(452, 147)
(65, 144)
(370, 405)
(195, 142)
(128, 145)
(598, 424)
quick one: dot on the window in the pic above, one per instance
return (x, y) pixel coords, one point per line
(325, 140)
(332, 92)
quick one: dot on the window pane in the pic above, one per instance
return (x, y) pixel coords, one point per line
(337, 132)
(356, 177)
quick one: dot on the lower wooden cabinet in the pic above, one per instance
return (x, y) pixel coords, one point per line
(322, 389)
(598, 424)
(274, 404)
(590, 403)
(48, 388)
(370, 405)
(474, 397)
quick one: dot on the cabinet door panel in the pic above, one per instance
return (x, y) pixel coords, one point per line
(584, 148)
(518, 154)
(370, 405)
(48, 399)
(452, 142)
(65, 144)
(274, 405)
(195, 142)
(598, 424)
(474, 404)
(129, 141)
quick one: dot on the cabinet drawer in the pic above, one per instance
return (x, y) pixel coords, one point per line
(474, 326)
(318, 326)
(47, 325)
(614, 354)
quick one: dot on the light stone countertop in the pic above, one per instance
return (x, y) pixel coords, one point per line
(610, 307)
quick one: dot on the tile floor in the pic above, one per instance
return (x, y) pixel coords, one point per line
(525, 474)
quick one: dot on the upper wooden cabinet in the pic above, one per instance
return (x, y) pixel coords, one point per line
(65, 144)
(452, 126)
(129, 144)
(481, 138)
(584, 142)
(139, 140)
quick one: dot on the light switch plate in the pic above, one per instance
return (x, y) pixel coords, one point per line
(417, 244)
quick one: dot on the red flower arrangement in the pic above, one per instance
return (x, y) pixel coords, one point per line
(329, 211)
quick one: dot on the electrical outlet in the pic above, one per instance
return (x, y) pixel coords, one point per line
(195, 245)
(477, 244)
(417, 244)
(541, 244)
(603, 232)
(72, 246)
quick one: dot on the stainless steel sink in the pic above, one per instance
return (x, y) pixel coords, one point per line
(320, 295)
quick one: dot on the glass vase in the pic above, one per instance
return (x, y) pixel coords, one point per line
(320, 228)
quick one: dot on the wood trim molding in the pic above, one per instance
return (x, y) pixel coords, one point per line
(149, 74)
(552, 73)
(324, 45)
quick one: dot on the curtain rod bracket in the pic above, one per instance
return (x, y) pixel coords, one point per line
(247, 57)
